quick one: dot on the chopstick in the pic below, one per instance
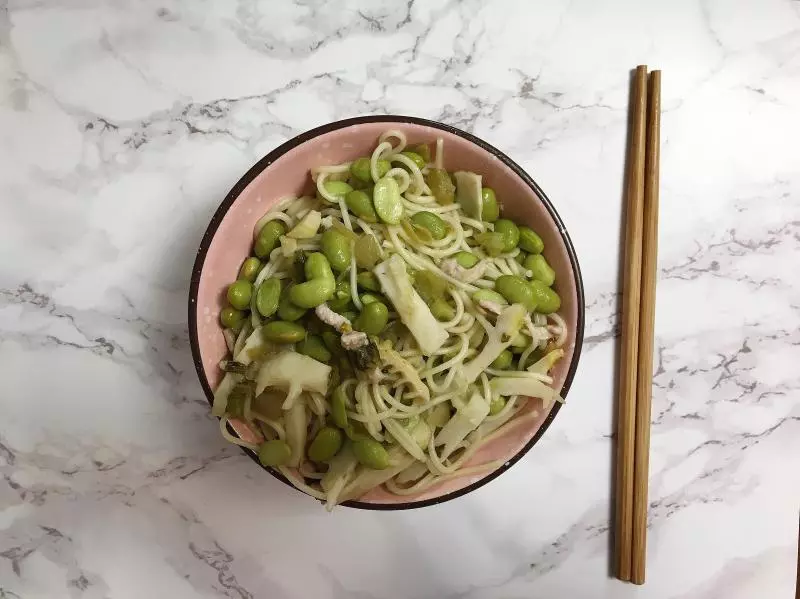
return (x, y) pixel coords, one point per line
(626, 423)
(647, 316)
(638, 321)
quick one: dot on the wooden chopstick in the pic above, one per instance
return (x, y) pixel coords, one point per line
(634, 191)
(647, 313)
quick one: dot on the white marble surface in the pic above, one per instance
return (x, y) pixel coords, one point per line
(122, 125)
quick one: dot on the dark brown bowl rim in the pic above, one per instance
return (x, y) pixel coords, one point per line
(266, 161)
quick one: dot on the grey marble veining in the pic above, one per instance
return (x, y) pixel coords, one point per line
(122, 125)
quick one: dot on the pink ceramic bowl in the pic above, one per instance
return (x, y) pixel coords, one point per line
(285, 171)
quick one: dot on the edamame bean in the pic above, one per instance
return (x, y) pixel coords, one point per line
(367, 251)
(370, 453)
(530, 241)
(373, 318)
(360, 204)
(360, 169)
(239, 293)
(338, 189)
(547, 300)
(267, 238)
(416, 158)
(466, 259)
(432, 222)
(274, 453)
(336, 248)
(491, 209)
(287, 310)
(516, 290)
(387, 202)
(249, 269)
(326, 444)
(489, 296)
(368, 298)
(319, 285)
(542, 271)
(510, 233)
(496, 405)
(231, 318)
(340, 300)
(339, 407)
(503, 361)
(313, 347)
(367, 280)
(268, 297)
(280, 331)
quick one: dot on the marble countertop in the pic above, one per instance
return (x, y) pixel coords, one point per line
(122, 126)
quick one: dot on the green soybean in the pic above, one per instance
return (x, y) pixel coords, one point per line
(267, 238)
(337, 189)
(319, 285)
(367, 280)
(368, 298)
(489, 296)
(340, 300)
(360, 204)
(336, 248)
(516, 290)
(510, 233)
(249, 269)
(231, 318)
(314, 347)
(415, 158)
(372, 319)
(279, 331)
(496, 405)
(530, 241)
(387, 202)
(432, 222)
(503, 361)
(339, 402)
(542, 271)
(466, 259)
(287, 310)
(371, 454)
(490, 211)
(268, 297)
(326, 444)
(239, 294)
(547, 300)
(360, 169)
(274, 453)
(367, 251)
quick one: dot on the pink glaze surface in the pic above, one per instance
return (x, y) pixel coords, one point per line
(289, 175)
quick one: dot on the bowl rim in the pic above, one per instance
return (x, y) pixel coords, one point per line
(302, 138)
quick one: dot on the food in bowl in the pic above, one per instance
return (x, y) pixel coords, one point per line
(386, 327)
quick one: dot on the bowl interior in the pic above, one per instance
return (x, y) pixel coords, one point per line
(286, 172)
